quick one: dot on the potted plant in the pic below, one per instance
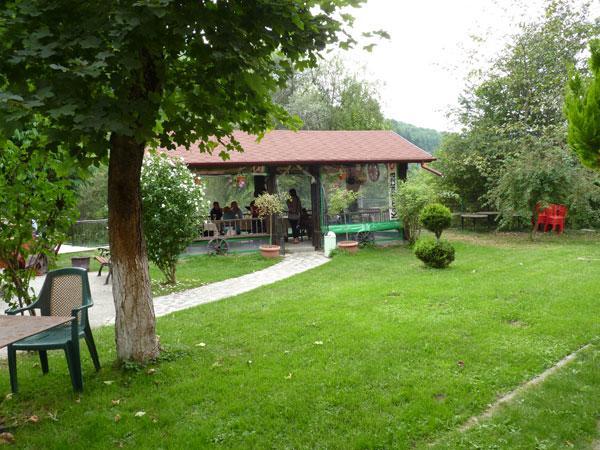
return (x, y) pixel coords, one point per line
(269, 205)
(339, 200)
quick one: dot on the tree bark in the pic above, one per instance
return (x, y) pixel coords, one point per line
(135, 324)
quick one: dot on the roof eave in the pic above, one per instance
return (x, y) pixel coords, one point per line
(306, 163)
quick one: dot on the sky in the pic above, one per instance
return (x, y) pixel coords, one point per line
(421, 70)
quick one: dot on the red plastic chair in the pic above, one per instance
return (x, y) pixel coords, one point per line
(556, 220)
(542, 215)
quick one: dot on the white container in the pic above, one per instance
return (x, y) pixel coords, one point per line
(329, 243)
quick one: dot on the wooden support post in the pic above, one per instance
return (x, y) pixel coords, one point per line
(315, 198)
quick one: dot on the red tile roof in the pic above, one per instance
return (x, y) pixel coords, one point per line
(282, 147)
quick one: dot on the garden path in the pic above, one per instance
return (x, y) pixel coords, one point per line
(103, 311)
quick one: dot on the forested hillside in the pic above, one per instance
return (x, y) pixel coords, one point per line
(426, 138)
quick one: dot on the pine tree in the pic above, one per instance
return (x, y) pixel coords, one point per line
(582, 107)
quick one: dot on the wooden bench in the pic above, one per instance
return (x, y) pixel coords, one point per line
(104, 259)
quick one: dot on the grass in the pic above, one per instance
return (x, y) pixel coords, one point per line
(368, 351)
(560, 413)
(192, 270)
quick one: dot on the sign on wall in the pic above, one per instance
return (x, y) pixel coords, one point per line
(392, 183)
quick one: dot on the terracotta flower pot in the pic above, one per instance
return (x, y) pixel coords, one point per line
(349, 246)
(270, 251)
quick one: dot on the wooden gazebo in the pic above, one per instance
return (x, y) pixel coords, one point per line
(369, 161)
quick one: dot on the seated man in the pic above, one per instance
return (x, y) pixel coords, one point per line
(237, 214)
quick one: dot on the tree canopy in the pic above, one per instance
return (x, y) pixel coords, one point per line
(111, 78)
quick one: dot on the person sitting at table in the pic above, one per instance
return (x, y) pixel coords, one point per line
(237, 212)
(228, 214)
(228, 220)
(216, 213)
(255, 214)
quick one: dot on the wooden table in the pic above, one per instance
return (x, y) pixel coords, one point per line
(15, 328)
(473, 217)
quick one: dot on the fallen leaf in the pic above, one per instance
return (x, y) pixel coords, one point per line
(117, 418)
(286, 352)
(217, 364)
(201, 344)
(116, 402)
(8, 396)
(140, 414)
(151, 371)
(461, 364)
(108, 382)
(288, 376)
(7, 438)
(78, 400)
(33, 419)
(318, 342)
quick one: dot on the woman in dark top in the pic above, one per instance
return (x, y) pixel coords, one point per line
(294, 210)
(216, 213)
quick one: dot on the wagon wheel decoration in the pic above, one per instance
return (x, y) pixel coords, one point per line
(218, 246)
(365, 238)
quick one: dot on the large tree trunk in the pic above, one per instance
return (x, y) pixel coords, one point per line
(135, 331)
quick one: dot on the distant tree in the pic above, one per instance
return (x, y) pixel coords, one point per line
(542, 177)
(582, 107)
(331, 97)
(517, 102)
(92, 201)
(112, 78)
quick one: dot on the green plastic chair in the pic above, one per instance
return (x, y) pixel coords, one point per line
(66, 292)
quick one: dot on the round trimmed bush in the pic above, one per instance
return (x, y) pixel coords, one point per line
(436, 218)
(434, 253)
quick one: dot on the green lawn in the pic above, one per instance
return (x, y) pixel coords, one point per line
(560, 413)
(368, 351)
(192, 270)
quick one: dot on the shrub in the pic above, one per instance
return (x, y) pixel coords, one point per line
(411, 197)
(173, 208)
(434, 253)
(36, 188)
(436, 218)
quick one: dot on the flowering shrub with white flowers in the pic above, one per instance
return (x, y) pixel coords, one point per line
(173, 206)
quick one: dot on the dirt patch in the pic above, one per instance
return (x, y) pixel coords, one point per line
(439, 397)
(517, 323)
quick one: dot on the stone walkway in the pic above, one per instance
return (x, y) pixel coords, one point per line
(291, 265)
(103, 311)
